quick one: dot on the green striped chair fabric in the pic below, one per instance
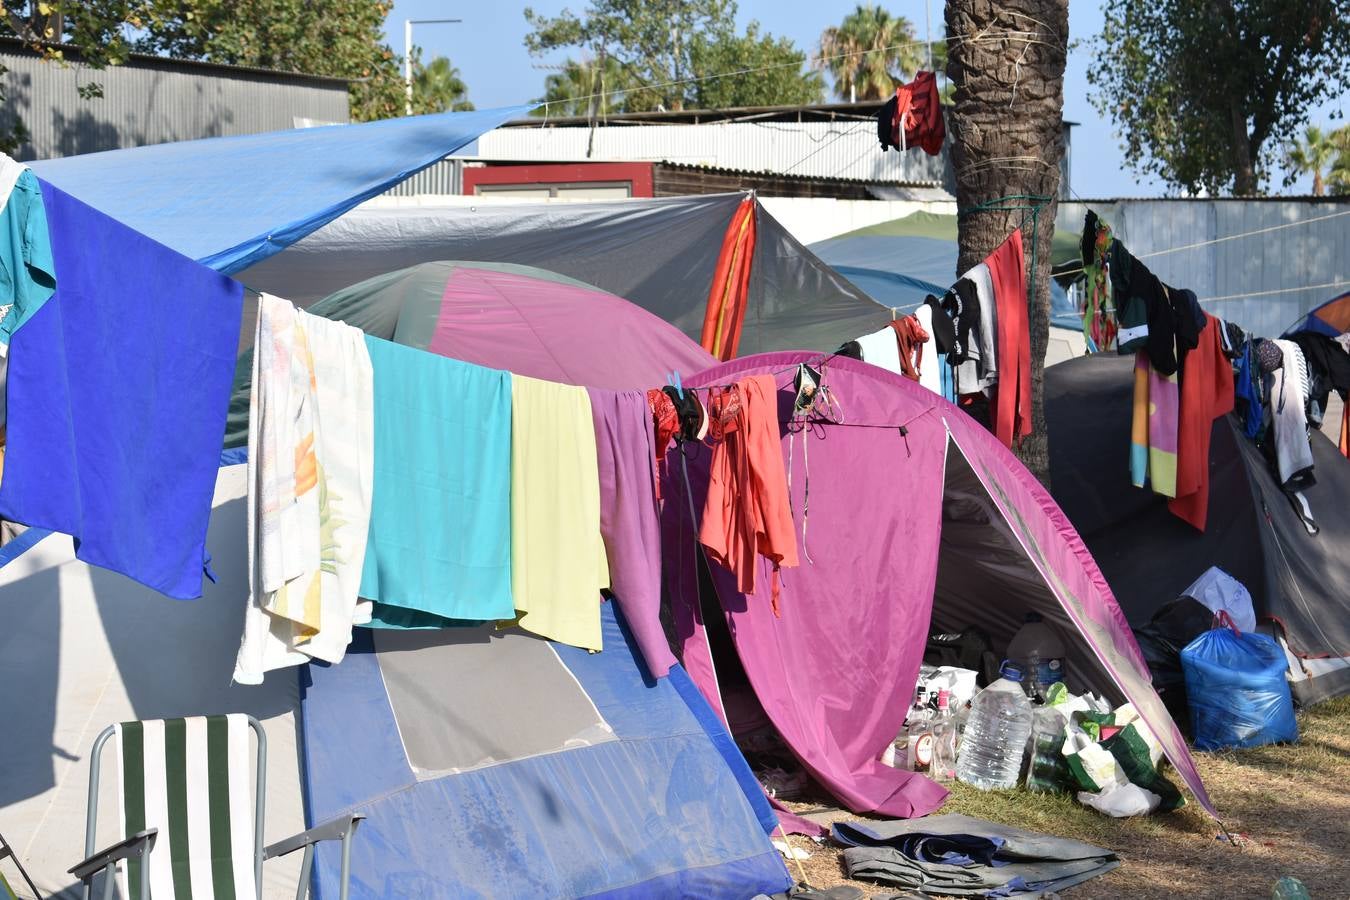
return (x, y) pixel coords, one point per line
(192, 780)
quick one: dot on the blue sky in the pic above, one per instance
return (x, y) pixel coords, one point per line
(489, 51)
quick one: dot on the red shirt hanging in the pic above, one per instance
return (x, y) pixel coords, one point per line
(1012, 400)
(1206, 394)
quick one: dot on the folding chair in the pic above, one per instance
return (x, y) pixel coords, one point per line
(5, 890)
(184, 795)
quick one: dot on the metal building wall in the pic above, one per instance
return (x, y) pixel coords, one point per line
(1260, 263)
(440, 179)
(149, 101)
(839, 149)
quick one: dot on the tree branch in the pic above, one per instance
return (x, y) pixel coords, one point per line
(20, 27)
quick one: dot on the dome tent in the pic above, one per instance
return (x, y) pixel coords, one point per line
(1299, 582)
(956, 532)
(545, 325)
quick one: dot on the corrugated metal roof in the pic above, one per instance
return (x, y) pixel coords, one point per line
(798, 113)
(153, 103)
(843, 149)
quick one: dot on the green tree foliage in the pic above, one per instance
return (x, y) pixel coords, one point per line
(870, 51)
(338, 38)
(438, 87)
(586, 87)
(1311, 155)
(1203, 92)
(1338, 177)
(660, 49)
(780, 76)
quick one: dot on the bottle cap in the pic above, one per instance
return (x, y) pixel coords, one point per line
(1011, 671)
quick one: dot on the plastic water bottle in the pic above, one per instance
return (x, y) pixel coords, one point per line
(1290, 888)
(1038, 650)
(1047, 770)
(943, 767)
(996, 735)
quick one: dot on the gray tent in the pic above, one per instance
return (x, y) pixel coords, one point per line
(659, 254)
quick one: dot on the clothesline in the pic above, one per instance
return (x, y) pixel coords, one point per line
(1307, 287)
(1230, 237)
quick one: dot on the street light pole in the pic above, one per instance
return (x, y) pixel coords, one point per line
(407, 53)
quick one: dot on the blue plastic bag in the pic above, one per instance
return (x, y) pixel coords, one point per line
(1237, 690)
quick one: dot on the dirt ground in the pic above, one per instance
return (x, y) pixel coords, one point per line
(1288, 805)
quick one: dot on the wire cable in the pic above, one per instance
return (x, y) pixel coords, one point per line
(1292, 290)
(980, 37)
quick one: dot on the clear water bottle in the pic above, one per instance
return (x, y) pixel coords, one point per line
(996, 734)
(1038, 650)
(1290, 888)
(1046, 770)
(943, 768)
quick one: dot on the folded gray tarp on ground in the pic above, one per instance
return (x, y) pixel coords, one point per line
(965, 857)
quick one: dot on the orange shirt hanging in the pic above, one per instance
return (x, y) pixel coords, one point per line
(747, 512)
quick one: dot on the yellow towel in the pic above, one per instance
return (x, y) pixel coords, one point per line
(558, 563)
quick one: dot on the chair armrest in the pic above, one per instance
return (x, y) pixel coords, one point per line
(333, 830)
(137, 845)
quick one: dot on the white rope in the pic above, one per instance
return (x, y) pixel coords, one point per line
(1292, 290)
(1244, 234)
(1231, 237)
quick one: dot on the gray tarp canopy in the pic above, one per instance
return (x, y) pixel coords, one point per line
(659, 254)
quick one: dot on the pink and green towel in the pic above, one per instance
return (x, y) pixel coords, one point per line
(1153, 430)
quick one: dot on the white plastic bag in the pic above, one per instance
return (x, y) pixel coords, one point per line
(1122, 801)
(959, 683)
(1221, 592)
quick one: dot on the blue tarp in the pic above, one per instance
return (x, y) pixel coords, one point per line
(900, 270)
(230, 202)
(668, 809)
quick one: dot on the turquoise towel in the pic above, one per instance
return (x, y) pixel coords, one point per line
(440, 522)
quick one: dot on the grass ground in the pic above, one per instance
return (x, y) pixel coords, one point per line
(1290, 805)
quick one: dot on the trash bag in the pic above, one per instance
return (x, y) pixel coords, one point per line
(967, 649)
(1237, 690)
(1172, 627)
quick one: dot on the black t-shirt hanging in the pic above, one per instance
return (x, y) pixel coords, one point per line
(944, 331)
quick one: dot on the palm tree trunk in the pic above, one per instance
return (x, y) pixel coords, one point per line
(1007, 134)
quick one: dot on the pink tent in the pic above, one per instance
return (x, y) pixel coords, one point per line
(908, 513)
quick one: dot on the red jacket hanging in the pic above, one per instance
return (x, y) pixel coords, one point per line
(1206, 394)
(1012, 400)
(910, 337)
(913, 117)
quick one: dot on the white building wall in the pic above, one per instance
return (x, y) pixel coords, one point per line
(839, 149)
